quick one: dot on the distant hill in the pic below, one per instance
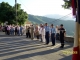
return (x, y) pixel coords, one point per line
(68, 24)
(57, 16)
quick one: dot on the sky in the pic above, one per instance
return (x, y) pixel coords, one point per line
(41, 7)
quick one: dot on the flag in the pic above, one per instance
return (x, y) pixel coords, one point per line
(76, 56)
(74, 6)
(79, 25)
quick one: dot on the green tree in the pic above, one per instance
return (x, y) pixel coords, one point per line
(67, 4)
(7, 13)
(21, 15)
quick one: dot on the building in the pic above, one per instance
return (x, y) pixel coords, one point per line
(28, 23)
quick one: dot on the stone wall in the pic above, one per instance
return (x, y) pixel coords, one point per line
(69, 39)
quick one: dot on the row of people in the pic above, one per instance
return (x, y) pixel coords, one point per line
(13, 30)
(45, 33)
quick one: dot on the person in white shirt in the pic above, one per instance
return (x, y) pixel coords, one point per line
(18, 30)
(57, 32)
(8, 29)
(43, 33)
(40, 32)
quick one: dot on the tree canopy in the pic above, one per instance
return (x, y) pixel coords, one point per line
(8, 13)
(67, 4)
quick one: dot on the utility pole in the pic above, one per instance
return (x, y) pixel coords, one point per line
(16, 10)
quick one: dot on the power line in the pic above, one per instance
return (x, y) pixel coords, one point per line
(60, 18)
(31, 13)
(51, 21)
(24, 5)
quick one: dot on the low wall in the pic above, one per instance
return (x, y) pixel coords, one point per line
(69, 39)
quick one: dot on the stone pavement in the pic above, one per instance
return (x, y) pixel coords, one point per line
(2, 33)
(21, 48)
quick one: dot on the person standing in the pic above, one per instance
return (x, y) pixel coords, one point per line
(5, 28)
(32, 32)
(21, 30)
(40, 32)
(26, 31)
(11, 30)
(52, 33)
(18, 30)
(47, 30)
(8, 29)
(62, 35)
(43, 33)
(57, 32)
(37, 31)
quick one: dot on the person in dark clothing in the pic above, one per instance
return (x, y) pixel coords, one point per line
(62, 35)
(16, 30)
(28, 33)
(6, 30)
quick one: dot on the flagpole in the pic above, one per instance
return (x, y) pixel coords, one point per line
(76, 37)
(76, 47)
(78, 3)
(79, 39)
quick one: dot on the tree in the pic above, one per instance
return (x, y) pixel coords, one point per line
(67, 4)
(21, 15)
(7, 13)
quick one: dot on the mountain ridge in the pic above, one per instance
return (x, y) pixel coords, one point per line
(57, 16)
(69, 25)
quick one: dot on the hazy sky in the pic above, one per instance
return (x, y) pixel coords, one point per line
(41, 7)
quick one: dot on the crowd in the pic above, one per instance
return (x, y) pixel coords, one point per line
(42, 32)
(13, 30)
(45, 33)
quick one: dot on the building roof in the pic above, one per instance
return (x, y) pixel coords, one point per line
(28, 22)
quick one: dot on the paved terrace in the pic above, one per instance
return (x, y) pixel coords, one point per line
(21, 48)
